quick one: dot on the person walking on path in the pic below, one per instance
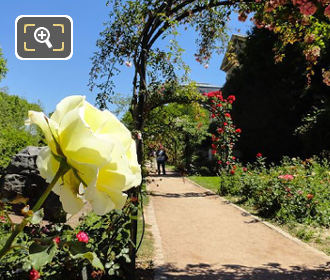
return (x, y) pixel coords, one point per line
(161, 157)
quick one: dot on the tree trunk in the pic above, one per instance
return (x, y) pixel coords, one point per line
(138, 117)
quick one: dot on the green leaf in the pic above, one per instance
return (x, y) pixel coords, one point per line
(41, 254)
(92, 258)
(37, 217)
(3, 238)
(80, 250)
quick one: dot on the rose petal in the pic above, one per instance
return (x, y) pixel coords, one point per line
(48, 127)
(66, 105)
(47, 164)
(80, 143)
(68, 190)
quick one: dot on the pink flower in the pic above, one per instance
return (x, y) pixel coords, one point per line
(57, 239)
(34, 274)
(128, 63)
(312, 53)
(245, 169)
(326, 76)
(308, 9)
(82, 237)
(286, 177)
(327, 11)
(206, 66)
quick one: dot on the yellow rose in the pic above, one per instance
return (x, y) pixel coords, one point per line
(98, 148)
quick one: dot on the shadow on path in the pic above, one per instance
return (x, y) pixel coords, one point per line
(179, 195)
(270, 271)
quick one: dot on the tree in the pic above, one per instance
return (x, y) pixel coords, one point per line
(13, 134)
(3, 68)
(272, 99)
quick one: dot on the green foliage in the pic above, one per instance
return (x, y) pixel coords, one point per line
(3, 68)
(14, 135)
(104, 256)
(300, 196)
(179, 127)
(272, 99)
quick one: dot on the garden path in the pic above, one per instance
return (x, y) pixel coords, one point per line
(200, 236)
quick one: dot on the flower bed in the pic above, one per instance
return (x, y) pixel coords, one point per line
(295, 191)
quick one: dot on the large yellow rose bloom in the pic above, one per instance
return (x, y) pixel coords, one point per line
(98, 148)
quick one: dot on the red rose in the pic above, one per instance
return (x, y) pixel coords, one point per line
(233, 158)
(219, 105)
(245, 169)
(232, 172)
(308, 8)
(220, 130)
(57, 239)
(225, 123)
(231, 99)
(211, 94)
(238, 130)
(214, 152)
(213, 146)
(227, 115)
(34, 274)
(259, 155)
(82, 236)
(213, 116)
(309, 196)
(219, 161)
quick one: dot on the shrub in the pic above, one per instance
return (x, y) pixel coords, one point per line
(295, 190)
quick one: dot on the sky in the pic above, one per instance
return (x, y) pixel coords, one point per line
(49, 81)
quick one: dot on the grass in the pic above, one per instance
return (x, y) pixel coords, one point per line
(211, 183)
(317, 237)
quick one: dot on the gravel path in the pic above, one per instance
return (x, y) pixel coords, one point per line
(199, 236)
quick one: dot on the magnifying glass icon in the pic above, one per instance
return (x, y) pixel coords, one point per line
(41, 35)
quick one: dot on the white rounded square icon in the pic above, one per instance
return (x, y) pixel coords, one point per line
(43, 37)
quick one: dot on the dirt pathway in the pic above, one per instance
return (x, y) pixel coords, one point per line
(199, 236)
